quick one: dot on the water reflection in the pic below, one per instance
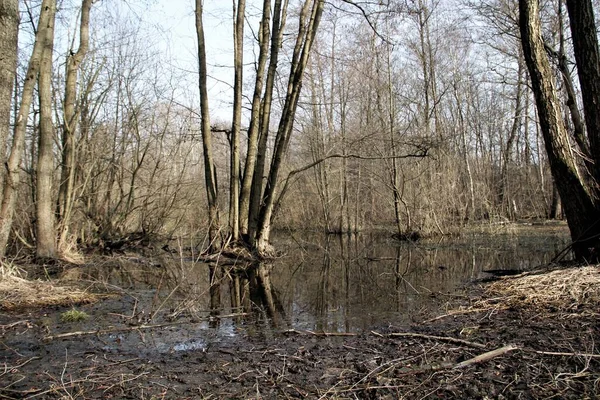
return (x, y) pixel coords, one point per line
(354, 282)
(326, 283)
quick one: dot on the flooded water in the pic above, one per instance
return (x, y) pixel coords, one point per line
(328, 283)
(352, 283)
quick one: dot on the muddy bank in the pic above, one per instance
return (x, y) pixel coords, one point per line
(550, 321)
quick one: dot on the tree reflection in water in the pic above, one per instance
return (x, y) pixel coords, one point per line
(250, 290)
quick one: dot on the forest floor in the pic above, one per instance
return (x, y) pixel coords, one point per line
(530, 336)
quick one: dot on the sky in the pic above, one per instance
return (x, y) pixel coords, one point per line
(176, 23)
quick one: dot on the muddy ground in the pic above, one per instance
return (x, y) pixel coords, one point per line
(546, 349)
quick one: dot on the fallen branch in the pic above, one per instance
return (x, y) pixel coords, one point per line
(133, 328)
(561, 354)
(438, 338)
(486, 356)
(313, 333)
(9, 369)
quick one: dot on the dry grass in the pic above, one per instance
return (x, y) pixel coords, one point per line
(18, 293)
(562, 290)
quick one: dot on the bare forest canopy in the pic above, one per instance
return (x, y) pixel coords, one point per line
(411, 115)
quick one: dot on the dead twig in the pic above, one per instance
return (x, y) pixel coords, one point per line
(486, 356)
(312, 333)
(133, 328)
(437, 338)
(8, 369)
(562, 354)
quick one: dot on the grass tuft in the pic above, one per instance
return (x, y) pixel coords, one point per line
(74, 316)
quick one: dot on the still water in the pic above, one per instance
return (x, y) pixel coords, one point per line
(327, 283)
(348, 283)
(356, 282)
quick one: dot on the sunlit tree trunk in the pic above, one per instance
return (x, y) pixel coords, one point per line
(305, 39)
(70, 122)
(9, 29)
(279, 19)
(255, 116)
(210, 173)
(234, 167)
(45, 223)
(13, 175)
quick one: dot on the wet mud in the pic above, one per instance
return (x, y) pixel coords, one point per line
(341, 321)
(554, 354)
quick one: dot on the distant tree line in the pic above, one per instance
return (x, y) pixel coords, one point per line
(417, 116)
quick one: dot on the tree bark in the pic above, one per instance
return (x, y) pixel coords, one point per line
(587, 56)
(13, 176)
(578, 199)
(9, 29)
(279, 19)
(254, 128)
(45, 224)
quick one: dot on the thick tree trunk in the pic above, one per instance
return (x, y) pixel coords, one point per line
(13, 175)
(587, 56)
(577, 198)
(45, 224)
(9, 29)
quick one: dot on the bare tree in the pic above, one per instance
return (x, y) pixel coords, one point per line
(234, 167)
(210, 174)
(45, 224)
(9, 29)
(13, 173)
(310, 18)
(70, 123)
(578, 192)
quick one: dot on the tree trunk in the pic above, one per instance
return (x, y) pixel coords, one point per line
(254, 128)
(302, 50)
(13, 175)
(587, 56)
(210, 173)
(234, 167)
(279, 18)
(577, 198)
(70, 122)
(9, 29)
(45, 224)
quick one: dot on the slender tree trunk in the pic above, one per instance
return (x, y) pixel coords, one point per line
(279, 19)
(299, 61)
(9, 29)
(210, 173)
(70, 122)
(504, 189)
(234, 183)
(45, 224)
(13, 176)
(255, 117)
